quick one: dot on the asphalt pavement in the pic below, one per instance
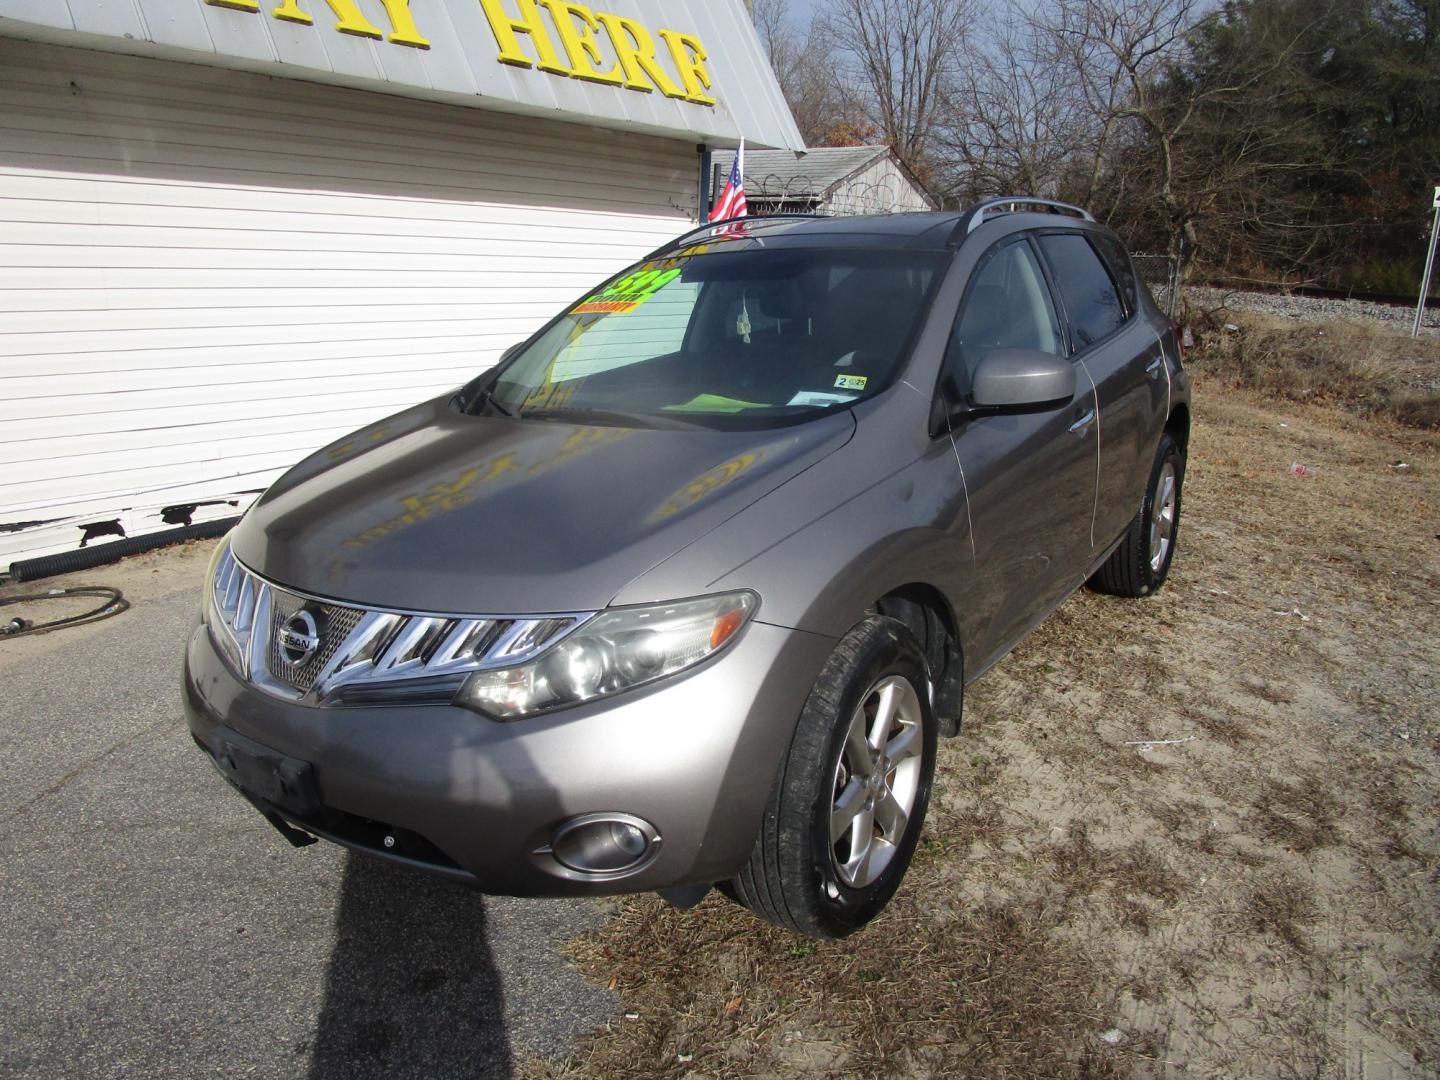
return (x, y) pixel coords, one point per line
(154, 925)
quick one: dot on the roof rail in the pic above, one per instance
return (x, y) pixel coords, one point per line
(1007, 204)
(750, 220)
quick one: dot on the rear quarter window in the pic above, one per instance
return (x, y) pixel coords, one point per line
(1123, 270)
(1091, 300)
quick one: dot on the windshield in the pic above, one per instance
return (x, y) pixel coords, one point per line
(736, 338)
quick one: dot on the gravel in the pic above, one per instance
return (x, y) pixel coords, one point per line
(1315, 309)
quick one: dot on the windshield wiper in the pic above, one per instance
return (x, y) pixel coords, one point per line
(487, 397)
(607, 416)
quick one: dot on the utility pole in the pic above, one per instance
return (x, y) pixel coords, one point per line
(1429, 262)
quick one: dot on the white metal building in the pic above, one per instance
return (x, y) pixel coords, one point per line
(231, 232)
(828, 179)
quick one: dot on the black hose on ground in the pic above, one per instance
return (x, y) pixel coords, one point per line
(84, 558)
(113, 604)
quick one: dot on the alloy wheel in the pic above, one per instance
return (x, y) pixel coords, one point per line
(877, 778)
(1162, 517)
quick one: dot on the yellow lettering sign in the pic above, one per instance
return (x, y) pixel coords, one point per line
(349, 19)
(577, 27)
(631, 59)
(689, 56)
(636, 49)
(403, 30)
(573, 41)
(506, 30)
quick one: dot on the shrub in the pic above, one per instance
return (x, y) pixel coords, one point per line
(1361, 365)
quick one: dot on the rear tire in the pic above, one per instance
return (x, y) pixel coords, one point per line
(1139, 566)
(847, 807)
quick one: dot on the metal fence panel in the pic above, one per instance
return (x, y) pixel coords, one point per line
(1161, 274)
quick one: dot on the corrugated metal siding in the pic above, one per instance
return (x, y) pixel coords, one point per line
(205, 274)
(460, 65)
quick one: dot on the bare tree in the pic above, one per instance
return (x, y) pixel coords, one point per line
(1130, 59)
(1015, 118)
(772, 25)
(808, 71)
(905, 53)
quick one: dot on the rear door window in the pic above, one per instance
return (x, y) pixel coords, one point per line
(1091, 301)
(1113, 252)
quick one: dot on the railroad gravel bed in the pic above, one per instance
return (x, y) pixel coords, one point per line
(1314, 309)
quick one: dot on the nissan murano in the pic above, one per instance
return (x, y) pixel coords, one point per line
(682, 592)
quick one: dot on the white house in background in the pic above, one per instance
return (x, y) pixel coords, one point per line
(232, 231)
(833, 179)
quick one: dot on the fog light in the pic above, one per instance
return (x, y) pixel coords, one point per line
(604, 843)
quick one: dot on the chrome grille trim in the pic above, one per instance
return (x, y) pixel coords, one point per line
(339, 622)
(362, 646)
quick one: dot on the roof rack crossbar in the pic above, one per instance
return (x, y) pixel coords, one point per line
(1007, 204)
(748, 219)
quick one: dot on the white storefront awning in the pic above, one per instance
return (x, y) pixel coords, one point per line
(685, 69)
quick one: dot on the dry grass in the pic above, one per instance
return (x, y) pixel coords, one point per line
(1280, 905)
(1361, 365)
(935, 987)
(1125, 873)
(1259, 898)
(1300, 816)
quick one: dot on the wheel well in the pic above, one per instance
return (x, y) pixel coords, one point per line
(1178, 426)
(925, 611)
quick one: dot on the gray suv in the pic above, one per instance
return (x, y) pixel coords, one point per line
(682, 592)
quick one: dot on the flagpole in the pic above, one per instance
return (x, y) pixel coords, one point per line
(740, 161)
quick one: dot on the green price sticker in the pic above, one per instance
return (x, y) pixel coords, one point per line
(626, 294)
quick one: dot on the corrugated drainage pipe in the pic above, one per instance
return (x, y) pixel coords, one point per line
(84, 558)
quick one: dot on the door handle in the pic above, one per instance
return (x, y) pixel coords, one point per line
(1082, 425)
(1153, 368)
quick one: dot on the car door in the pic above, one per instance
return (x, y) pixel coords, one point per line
(1123, 357)
(1029, 475)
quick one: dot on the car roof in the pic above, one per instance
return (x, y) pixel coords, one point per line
(924, 231)
(936, 230)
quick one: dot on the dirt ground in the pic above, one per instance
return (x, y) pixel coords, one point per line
(1188, 835)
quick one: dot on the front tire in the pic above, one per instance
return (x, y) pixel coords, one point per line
(1139, 566)
(847, 807)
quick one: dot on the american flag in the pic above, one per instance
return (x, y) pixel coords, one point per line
(731, 202)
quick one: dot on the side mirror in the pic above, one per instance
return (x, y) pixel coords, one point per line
(511, 351)
(1021, 379)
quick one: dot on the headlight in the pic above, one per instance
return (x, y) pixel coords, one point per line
(613, 652)
(227, 606)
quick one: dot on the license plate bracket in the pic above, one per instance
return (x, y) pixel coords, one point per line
(286, 783)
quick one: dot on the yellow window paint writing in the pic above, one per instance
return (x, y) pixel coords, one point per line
(626, 294)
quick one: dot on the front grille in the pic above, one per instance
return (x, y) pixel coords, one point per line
(365, 655)
(335, 624)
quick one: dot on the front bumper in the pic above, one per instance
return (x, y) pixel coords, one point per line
(462, 795)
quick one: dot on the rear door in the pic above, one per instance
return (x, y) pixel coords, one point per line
(1029, 476)
(1122, 355)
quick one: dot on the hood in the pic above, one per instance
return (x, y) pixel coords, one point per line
(432, 510)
